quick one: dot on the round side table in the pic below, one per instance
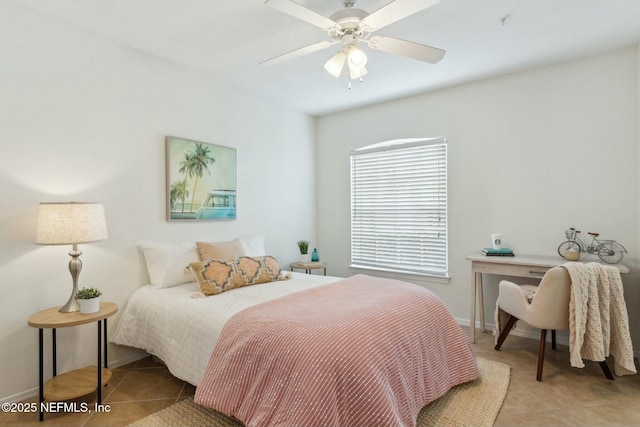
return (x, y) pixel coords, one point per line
(78, 382)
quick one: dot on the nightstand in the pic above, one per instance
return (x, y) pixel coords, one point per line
(78, 382)
(308, 266)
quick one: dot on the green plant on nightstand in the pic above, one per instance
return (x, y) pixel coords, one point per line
(88, 293)
(303, 245)
(89, 300)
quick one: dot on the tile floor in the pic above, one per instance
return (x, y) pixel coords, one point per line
(134, 391)
(565, 397)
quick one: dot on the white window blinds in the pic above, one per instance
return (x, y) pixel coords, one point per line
(399, 206)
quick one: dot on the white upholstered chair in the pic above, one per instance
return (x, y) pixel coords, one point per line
(548, 310)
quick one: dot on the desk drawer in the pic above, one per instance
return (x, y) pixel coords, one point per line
(530, 271)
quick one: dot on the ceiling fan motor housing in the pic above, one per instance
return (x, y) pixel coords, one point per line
(349, 23)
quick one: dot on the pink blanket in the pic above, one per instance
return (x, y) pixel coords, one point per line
(362, 351)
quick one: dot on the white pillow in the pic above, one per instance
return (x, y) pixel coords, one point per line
(253, 246)
(167, 262)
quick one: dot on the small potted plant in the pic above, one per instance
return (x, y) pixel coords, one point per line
(303, 245)
(89, 300)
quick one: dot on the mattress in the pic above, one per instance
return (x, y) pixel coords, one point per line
(182, 330)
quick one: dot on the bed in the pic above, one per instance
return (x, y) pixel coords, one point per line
(182, 329)
(310, 350)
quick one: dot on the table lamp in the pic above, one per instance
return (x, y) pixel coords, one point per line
(70, 223)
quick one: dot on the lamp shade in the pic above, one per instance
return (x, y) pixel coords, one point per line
(70, 223)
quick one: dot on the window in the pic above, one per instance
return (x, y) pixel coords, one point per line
(399, 206)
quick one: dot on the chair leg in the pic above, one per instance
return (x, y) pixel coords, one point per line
(606, 370)
(543, 339)
(553, 339)
(505, 331)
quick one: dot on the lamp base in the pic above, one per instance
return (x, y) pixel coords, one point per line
(75, 266)
(71, 306)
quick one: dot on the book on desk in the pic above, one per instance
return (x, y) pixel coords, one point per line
(497, 252)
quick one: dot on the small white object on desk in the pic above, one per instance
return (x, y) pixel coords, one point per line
(496, 240)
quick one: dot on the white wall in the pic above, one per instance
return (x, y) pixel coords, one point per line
(85, 119)
(530, 154)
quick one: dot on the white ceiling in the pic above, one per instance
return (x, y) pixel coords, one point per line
(229, 38)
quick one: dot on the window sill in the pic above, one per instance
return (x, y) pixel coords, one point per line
(400, 275)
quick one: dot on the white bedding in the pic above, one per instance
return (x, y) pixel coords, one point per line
(182, 331)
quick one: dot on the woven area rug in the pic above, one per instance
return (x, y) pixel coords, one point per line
(476, 403)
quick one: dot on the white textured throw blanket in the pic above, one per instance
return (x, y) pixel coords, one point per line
(598, 320)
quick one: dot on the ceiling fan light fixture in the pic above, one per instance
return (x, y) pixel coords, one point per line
(357, 61)
(357, 58)
(351, 26)
(335, 65)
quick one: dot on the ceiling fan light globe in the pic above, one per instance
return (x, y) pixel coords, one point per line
(357, 58)
(335, 65)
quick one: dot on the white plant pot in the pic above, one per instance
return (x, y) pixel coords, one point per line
(91, 305)
(305, 257)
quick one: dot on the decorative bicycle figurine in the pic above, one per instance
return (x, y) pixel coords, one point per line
(609, 251)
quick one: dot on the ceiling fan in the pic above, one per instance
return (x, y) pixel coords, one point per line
(351, 26)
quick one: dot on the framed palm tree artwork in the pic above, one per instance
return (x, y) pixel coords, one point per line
(201, 180)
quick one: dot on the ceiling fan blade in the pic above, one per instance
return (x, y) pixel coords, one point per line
(297, 11)
(413, 50)
(297, 53)
(393, 12)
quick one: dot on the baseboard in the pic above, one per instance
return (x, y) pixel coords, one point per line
(532, 333)
(20, 397)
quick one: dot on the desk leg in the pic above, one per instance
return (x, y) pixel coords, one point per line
(41, 371)
(481, 303)
(472, 320)
(476, 291)
(99, 362)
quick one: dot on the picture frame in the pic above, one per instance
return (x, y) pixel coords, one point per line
(201, 180)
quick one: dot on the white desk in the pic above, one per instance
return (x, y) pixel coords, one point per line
(529, 266)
